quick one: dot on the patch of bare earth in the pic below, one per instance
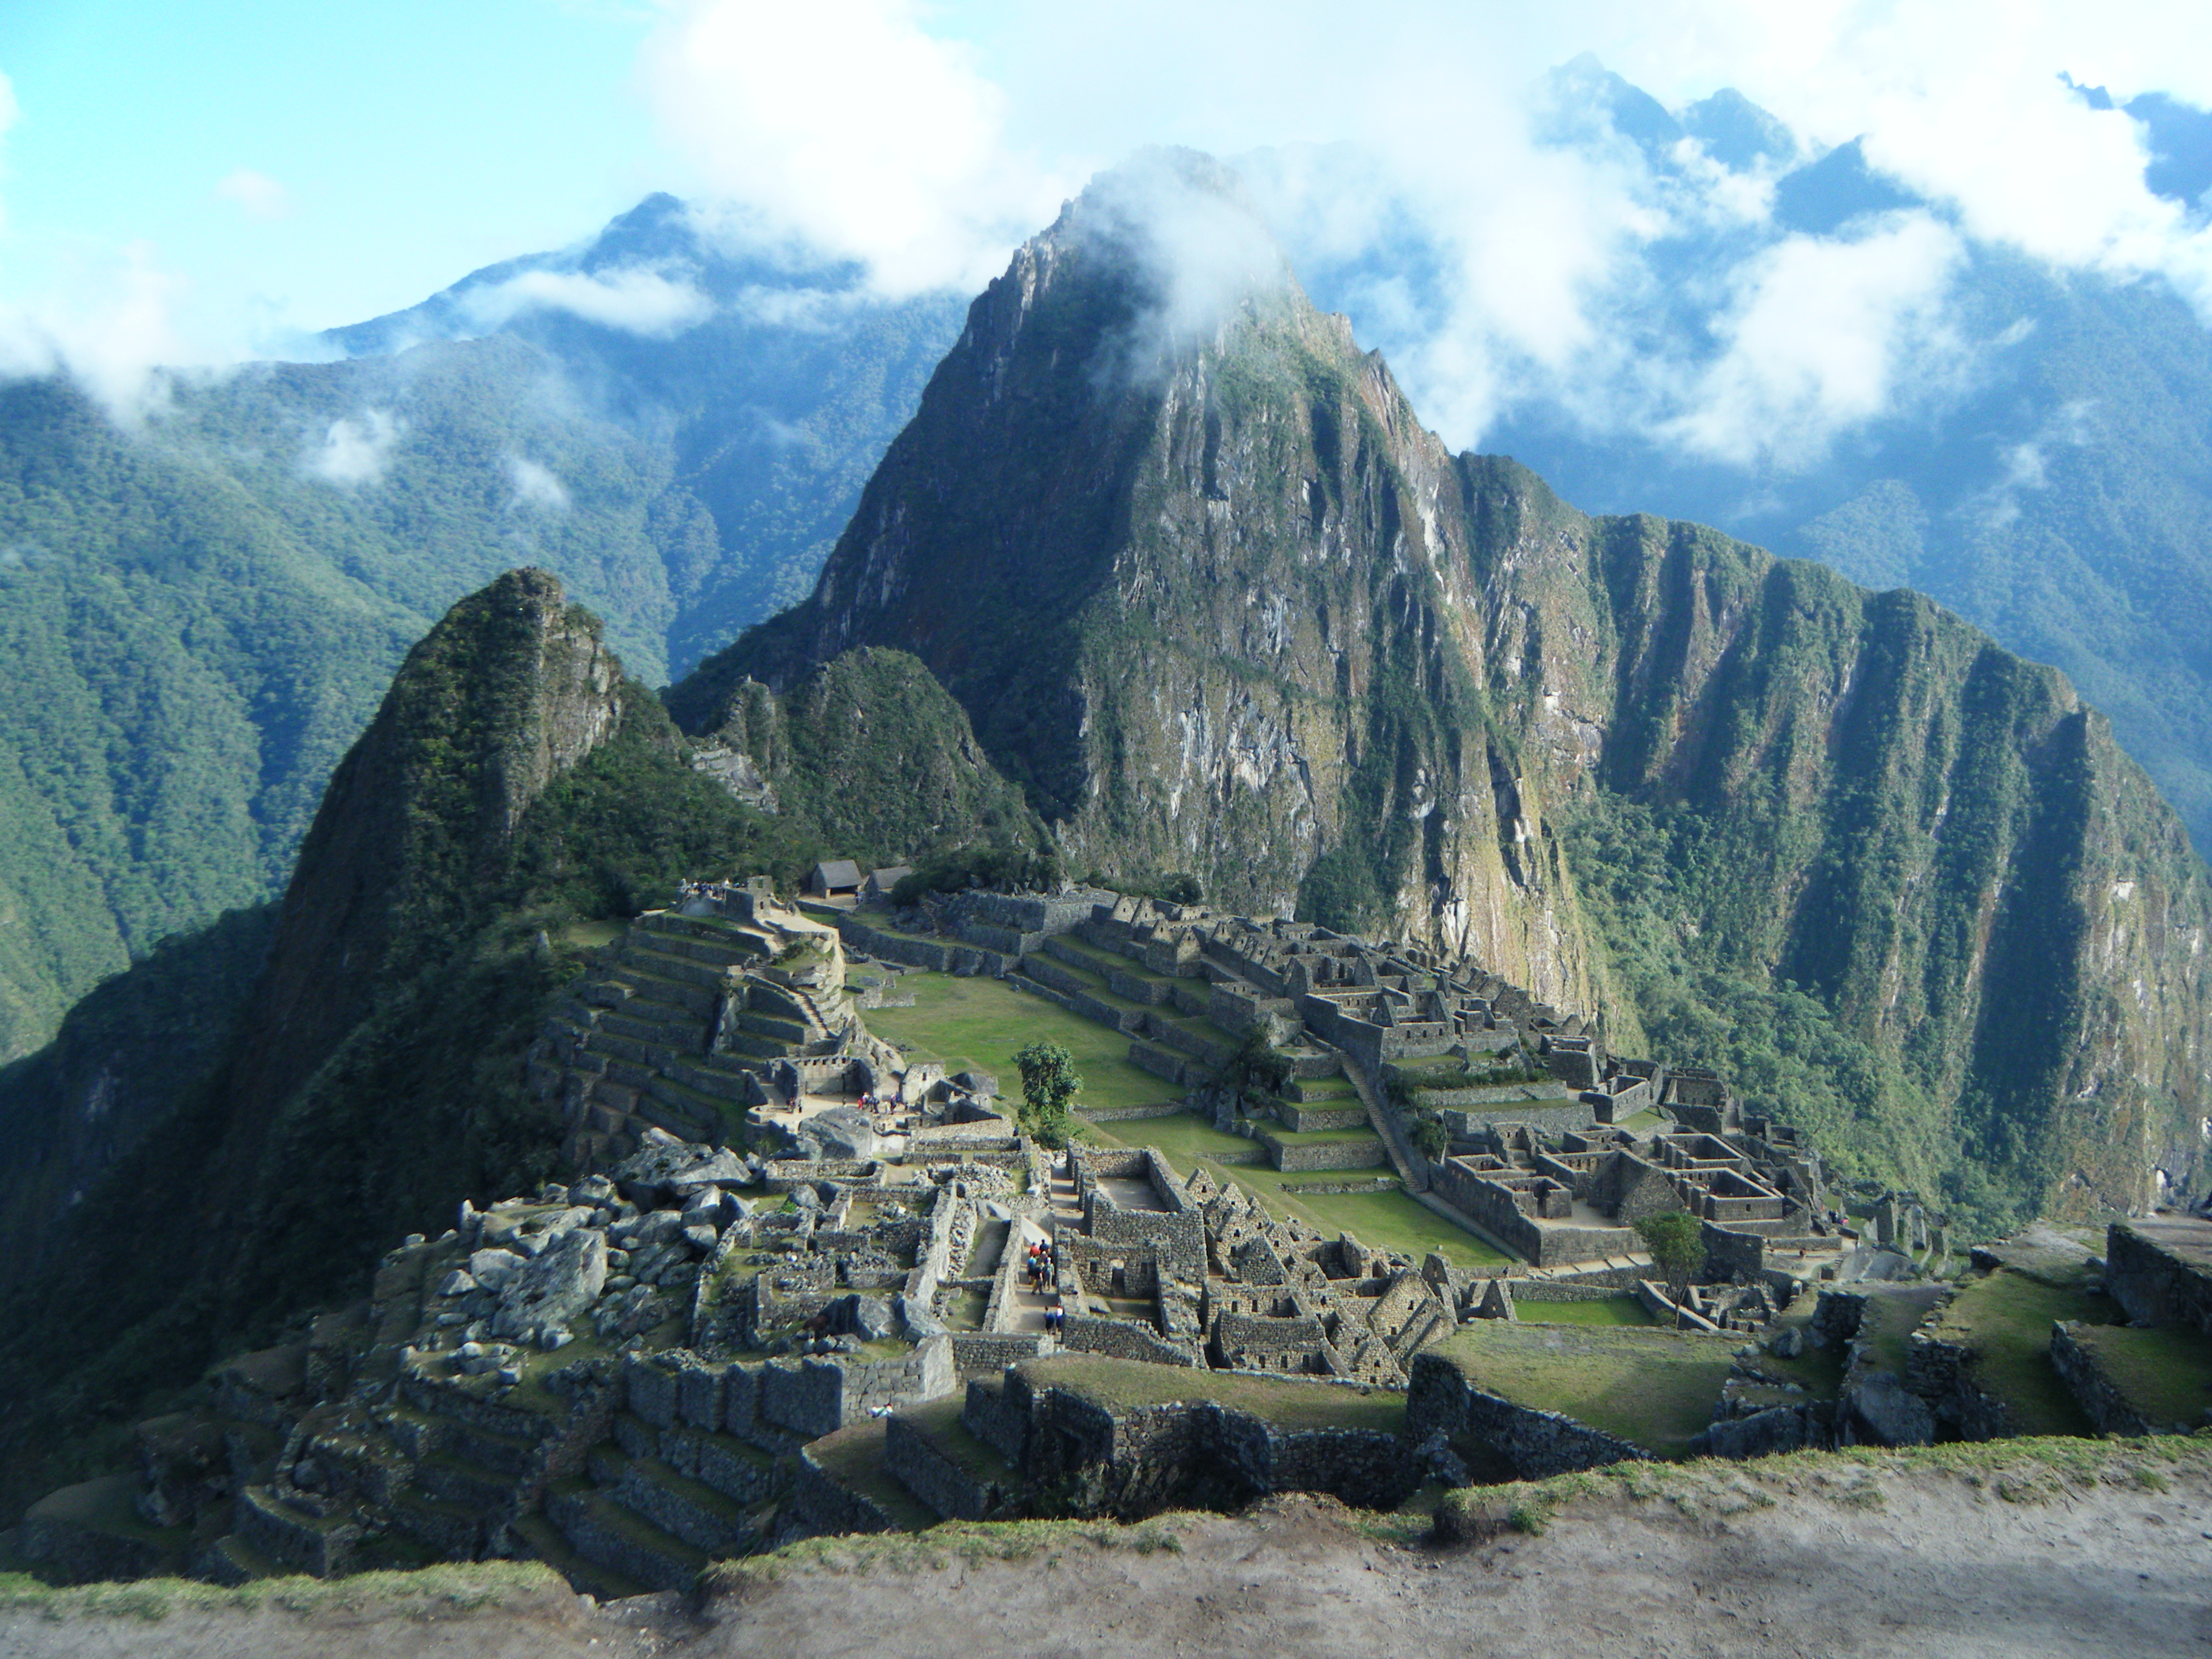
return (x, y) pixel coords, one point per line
(1779, 1560)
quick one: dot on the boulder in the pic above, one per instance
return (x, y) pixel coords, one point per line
(458, 1282)
(1777, 1428)
(1788, 1343)
(1875, 1409)
(557, 1288)
(841, 1132)
(492, 1269)
(980, 1084)
(668, 1167)
(872, 1320)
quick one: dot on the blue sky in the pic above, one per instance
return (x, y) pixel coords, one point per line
(402, 145)
(197, 184)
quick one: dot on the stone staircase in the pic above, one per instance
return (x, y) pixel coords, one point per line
(905, 1472)
(669, 1031)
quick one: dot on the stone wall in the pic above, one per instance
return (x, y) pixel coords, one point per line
(981, 1351)
(2155, 1269)
(827, 1505)
(2107, 1407)
(1531, 1444)
(1296, 1157)
(954, 1492)
(1120, 1339)
(1730, 1253)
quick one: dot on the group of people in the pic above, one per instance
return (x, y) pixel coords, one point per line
(1040, 1265)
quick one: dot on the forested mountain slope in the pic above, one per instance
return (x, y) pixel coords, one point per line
(1209, 591)
(202, 607)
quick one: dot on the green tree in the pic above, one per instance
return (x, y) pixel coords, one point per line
(1430, 1136)
(1049, 1084)
(1677, 1244)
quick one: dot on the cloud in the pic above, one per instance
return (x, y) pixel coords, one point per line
(110, 329)
(534, 485)
(847, 125)
(260, 196)
(638, 300)
(355, 449)
(1624, 282)
(1818, 340)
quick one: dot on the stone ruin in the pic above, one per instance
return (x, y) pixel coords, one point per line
(694, 1352)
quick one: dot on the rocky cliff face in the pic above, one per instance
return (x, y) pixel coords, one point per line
(1208, 590)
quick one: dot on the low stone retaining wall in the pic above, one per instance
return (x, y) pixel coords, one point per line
(1531, 1443)
(1119, 1340)
(1132, 1114)
(1378, 1184)
(979, 1351)
(1291, 1157)
(954, 1492)
(2100, 1396)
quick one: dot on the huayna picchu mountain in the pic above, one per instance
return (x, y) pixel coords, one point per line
(1209, 591)
(516, 798)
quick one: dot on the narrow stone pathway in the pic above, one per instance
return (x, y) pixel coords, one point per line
(1029, 1304)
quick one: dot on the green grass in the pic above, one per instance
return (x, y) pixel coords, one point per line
(440, 1589)
(2006, 1319)
(1286, 1403)
(1653, 1387)
(1323, 1137)
(1103, 962)
(940, 1424)
(1890, 1320)
(1182, 1138)
(1381, 1221)
(1608, 1310)
(982, 1023)
(2165, 1374)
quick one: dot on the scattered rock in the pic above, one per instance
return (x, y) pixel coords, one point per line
(457, 1283)
(557, 1287)
(1788, 1343)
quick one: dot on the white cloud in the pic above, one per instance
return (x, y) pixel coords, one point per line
(638, 300)
(260, 196)
(110, 329)
(355, 450)
(847, 124)
(1821, 335)
(535, 485)
(927, 139)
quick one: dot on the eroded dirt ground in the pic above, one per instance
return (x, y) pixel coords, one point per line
(1928, 1567)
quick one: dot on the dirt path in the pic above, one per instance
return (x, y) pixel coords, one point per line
(1930, 1566)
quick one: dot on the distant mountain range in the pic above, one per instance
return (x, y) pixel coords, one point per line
(201, 611)
(1150, 584)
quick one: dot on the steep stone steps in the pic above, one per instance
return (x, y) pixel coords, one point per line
(844, 1485)
(457, 1480)
(675, 1504)
(444, 1525)
(602, 1532)
(679, 1033)
(682, 970)
(231, 1560)
(941, 1463)
(643, 985)
(736, 1468)
(544, 1540)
